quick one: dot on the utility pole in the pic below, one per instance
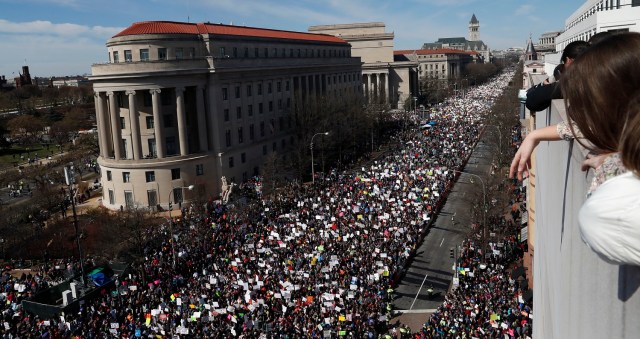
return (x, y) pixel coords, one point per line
(69, 177)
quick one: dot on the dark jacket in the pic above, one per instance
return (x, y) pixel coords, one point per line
(539, 96)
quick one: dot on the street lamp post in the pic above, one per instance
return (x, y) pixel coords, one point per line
(173, 247)
(313, 175)
(484, 210)
(70, 180)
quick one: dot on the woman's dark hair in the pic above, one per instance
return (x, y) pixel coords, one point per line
(630, 139)
(603, 81)
(573, 50)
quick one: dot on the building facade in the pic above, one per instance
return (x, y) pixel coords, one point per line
(182, 104)
(383, 78)
(596, 16)
(442, 64)
(473, 44)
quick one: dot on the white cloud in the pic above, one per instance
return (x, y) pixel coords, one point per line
(52, 49)
(40, 27)
(524, 10)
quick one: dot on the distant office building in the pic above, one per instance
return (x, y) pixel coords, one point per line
(383, 77)
(473, 44)
(69, 81)
(442, 63)
(596, 16)
(547, 42)
(183, 104)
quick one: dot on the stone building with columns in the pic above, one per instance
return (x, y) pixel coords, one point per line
(181, 104)
(383, 78)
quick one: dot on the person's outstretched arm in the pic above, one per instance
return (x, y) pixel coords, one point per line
(522, 160)
(539, 97)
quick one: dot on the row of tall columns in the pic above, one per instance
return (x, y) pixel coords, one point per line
(135, 125)
(109, 124)
(161, 149)
(376, 85)
(182, 121)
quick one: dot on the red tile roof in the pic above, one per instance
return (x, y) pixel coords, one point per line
(169, 27)
(432, 51)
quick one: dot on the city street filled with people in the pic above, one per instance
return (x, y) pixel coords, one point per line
(308, 261)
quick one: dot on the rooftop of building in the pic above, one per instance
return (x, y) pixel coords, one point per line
(433, 51)
(171, 27)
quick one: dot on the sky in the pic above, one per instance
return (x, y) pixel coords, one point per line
(65, 37)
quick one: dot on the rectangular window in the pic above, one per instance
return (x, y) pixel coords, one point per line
(125, 149)
(128, 199)
(256, 52)
(126, 177)
(250, 110)
(112, 199)
(243, 158)
(269, 89)
(150, 176)
(230, 162)
(116, 57)
(260, 108)
(179, 53)
(266, 52)
(144, 54)
(149, 121)
(274, 146)
(200, 169)
(237, 92)
(127, 55)
(175, 173)
(153, 153)
(223, 53)
(288, 102)
(262, 128)
(226, 114)
(259, 89)
(227, 137)
(152, 197)
(177, 196)
(248, 90)
(162, 54)
(122, 123)
(275, 52)
(281, 123)
(240, 135)
(286, 85)
(171, 146)
(279, 86)
(239, 112)
(192, 52)
(225, 93)
(246, 52)
(235, 52)
(251, 132)
(264, 149)
(270, 106)
(108, 175)
(279, 103)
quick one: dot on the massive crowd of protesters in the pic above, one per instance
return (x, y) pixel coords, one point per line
(312, 261)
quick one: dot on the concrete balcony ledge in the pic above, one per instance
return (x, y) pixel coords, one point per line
(576, 293)
(150, 163)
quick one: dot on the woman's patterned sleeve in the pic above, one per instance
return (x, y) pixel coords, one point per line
(611, 167)
(564, 131)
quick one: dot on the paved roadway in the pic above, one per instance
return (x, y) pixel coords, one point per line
(432, 264)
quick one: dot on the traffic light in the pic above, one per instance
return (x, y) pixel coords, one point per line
(452, 253)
